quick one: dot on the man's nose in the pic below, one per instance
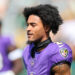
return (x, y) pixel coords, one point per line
(28, 28)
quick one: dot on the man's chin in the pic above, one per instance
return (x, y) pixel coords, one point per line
(29, 42)
(32, 41)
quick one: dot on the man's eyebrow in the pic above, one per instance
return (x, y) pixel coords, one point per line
(31, 23)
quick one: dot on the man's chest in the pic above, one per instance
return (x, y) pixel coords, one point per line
(41, 61)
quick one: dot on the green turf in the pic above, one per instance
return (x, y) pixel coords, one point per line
(23, 71)
(73, 68)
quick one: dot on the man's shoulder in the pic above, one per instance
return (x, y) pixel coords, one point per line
(27, 48)
(62, 52)
(4, 37)
(60, 45)
(57, 47)
(54, 45)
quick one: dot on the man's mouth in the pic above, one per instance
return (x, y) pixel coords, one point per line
(29, 35)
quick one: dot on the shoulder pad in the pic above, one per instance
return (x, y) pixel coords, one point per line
(63, 48)
(60, 44)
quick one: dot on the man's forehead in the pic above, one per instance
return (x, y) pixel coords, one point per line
(33, 18)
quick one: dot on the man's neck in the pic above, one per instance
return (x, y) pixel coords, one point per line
(43, 44)
(40, 46)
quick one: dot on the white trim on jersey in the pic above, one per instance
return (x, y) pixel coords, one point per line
(10, 72)
(16, 54)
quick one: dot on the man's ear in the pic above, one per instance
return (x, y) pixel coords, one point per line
(47, 28)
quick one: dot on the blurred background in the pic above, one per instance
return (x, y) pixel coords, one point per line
(14, 24)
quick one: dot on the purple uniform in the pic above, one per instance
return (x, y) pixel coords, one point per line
(53, 54)
(5, 63)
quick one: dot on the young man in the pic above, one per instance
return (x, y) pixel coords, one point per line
(42, 56)
(10, 56)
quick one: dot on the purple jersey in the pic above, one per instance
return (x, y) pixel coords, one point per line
(47, 58)
(5, 63)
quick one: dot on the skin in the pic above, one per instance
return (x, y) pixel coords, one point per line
(62, 69)
(37, 32)
(35, 29)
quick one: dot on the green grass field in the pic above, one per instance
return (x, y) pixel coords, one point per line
(73, 68)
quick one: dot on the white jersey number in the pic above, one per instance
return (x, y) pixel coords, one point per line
(1, 62)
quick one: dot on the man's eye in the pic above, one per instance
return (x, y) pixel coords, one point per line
(33, 24)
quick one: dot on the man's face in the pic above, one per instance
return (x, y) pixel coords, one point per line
(35, 29)
(0, 29)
